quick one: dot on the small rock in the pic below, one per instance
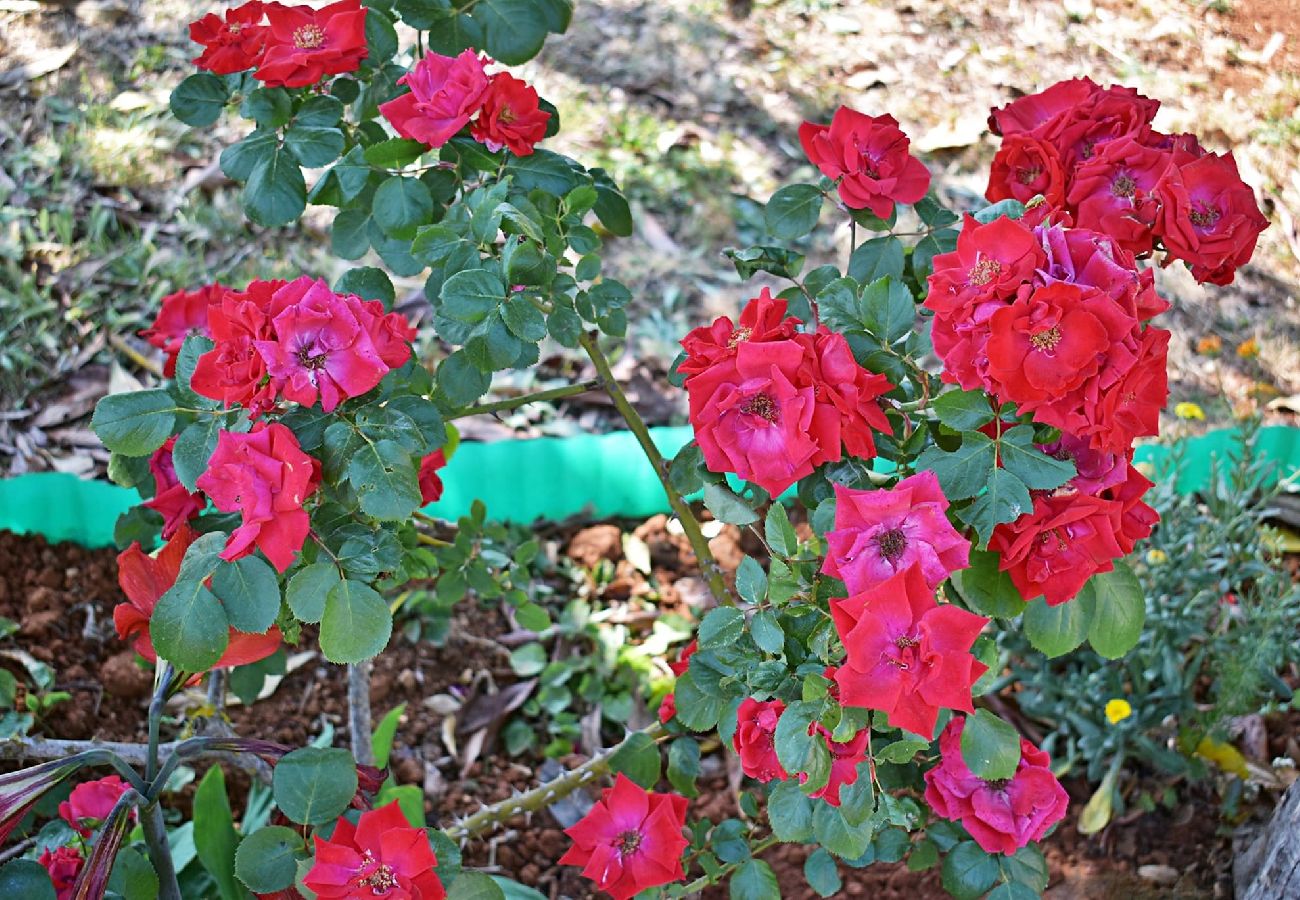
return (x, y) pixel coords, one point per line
(590, 545)
(122, 677)
(1158, 874)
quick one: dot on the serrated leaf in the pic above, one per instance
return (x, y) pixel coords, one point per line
(355, 623)
(990, 747)
(1056, 630)
(964, 472)
(1118, 608)
(727, 507)
(721, 627)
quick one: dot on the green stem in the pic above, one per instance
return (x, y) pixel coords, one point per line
(569, 390)
(704, 881)
(160, 852)
(690, 524)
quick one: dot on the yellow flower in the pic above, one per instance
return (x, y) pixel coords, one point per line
(1248, 349)
(1225, 756)
(1157, 557)
(1209, 346)
(1118, 710)
(1189, 411)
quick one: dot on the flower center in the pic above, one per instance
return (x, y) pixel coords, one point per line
(998, 784)
(381, 879)
(1046, 340)
(984, 271)
(908, 656)
(628, 841)
(869, 164)
(1029, 174)
(1204, 216)
(1123, 186)
(311, 360)
(761, 405)
(235, 27)
(309, 37)
(740, 335)
(506, 115)
(892, 544)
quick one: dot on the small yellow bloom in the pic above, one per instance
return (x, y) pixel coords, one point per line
(1248, 349)
(1118, 710)
(1210, 345)
(1225, 756)
(1157, 557)
(1189, 411)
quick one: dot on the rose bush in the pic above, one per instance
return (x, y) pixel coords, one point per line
(955, 415)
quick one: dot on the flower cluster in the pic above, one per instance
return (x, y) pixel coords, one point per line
(288, 46)
(1092, 153)
(771, 403)
(446, 93)
(867, 156)
(85, 810)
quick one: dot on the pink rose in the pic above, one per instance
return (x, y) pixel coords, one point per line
(171, 499)
(445, 94)
(90, 803)
(868, 156)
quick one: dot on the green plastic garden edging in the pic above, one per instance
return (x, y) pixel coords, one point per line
(605, 475)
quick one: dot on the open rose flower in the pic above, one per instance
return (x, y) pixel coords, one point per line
(1209, 217)
(1024, 168)
(753, 741)
(880, 533)
(1113, 193)
(846, 411)
(630, 840)
(1052, 550)
(445, 93)
(763, 319)
(381, 856)
(21, 790)
(1041, 112)
(171, 499)
(907, 655)
(305, 44)
(868, 156)
(265, 476)
(182, 314)
(63, 865)
(234, 372)
(231, 44)
(510, 116)
(90, 803)
(144, 579)
(1002, 816)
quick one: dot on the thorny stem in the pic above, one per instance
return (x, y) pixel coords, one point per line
(569, 390)
(691, 525)
(541, 796)
(359, 712)
(704, 881)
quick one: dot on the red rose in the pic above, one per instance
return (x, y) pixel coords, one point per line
(755, 728)
(845, 395)
(430, 483)
(846, 756)
(1085, 257)
(171, 499)
(1055, 548)
(305, 44)
(1112, 192)
(90, 803)
(182, 314)
(630, 840)
(510, 116)
(668, 706)
(232, 44)
(64, 865)
(1002, 816)
(445, 93)
(869, 158)
(1133, 518)
(1040, 112)
(1131, 409)
(234, 372)
(762, 319)
(907, 655)
(1208, 217)
(1109, 114)
(1025, 167)
(382, 855)
(265, 475)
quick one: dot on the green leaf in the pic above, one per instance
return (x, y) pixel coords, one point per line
(638, 759)
(541, 168)
(350, 234)
(135, 423)
(355, 624)
(721, 627)
(1035, 468)
(778, 260)
(401, 205)
(275, 193)
(268, 107)
(858, 800)
(990, 746)
(889, 312)
(533, 617)
(968, 871)
(963, 410)
(132, 876)
(194, 447)
(790, 813)
(751, 581)
(25, 879)
(754, 880)
(1100, 806)
(1118, 610)
(877, 258)
(987, 589)
(1014, 891)
(308, 588)
(726, 506)
(199, 99)
(393, 154)
(513, 31)
(267, 859)
(684, 765)
(1056, 630)
(319, 111)
(697, 710)
(799, 751)
(793, 211)
(314, 145)
(1012, 209)
(779, 532)
(475, 886)
(215, 838)
(524, 320)
(471, 296)
(964, 472)
(767, 631)
(1004, 500)
(189, 626)
(528, 660)
(368, 283)
(1027, 867)
(384, 476)
(250, 592)
(901, 751)
(611, 206)
(314, 785)
(822, 872)
(834, 832)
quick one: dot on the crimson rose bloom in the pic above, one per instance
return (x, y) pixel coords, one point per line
(182, 314)
(232, 44)
(171, 499)
(1054, 549)
(304, 44)
(762, 319)
(668, 706)
(90, 803)
(630, 840)
(265, 475)
(234, 372)
(1109, 114)
(430, 483)
(1131, 408)
(1002, 816)
(880, 533)
(1040, 113)
(869, 158)
(755, 728)
(510, 116)
(381, 856)
(64, 865)
(1024, 168)
(144, 579)
(445, 93)
(1113, 192)
(1095, 470)
(907, 655)
(846, 756)
(1208, 217)
(845, 397)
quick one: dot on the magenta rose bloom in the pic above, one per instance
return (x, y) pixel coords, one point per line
(1096, 470)
(1208, 217)
(880, 533)
(868, 156)
(1112, 192)
(264, 475)
(763, 319)
(90, 803)
(1002, 816)
(445, 94)
(753, 740)
(171, 499)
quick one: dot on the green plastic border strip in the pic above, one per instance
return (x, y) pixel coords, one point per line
(552, 478)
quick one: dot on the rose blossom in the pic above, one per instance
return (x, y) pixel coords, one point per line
(1024, 168)
(90, 803)
(1096, 470)
(630, 840)
(1040, 112)
(430, 483)
(755, 728)
(763, 319)
(1112, 193)
(265, 475)
(232, 44)
(668, 706)
(306, 44)
(1208, 217)
(907, 655)
(845, 409)
(182, 314)
(510, 116)
(171, 499)
(1002, 816)
(879, 533)
(383, 855)
(869, 158)
(63, 865)
(846, 756)
(445, 93)
(1053, 549)
(234, 372)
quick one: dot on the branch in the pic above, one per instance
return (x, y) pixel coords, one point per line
(359, 723)
(559, 393)
(690, 524)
